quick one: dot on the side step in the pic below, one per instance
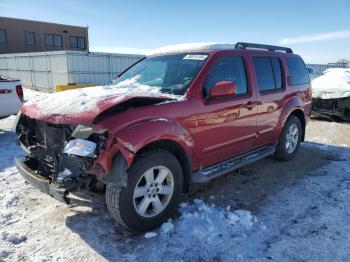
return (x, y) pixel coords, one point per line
(229, 165)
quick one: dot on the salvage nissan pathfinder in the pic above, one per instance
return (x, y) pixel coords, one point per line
(182, 115)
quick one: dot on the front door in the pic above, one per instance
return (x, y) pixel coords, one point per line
(226, 126)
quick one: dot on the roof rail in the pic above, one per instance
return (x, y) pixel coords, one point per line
(242, 45)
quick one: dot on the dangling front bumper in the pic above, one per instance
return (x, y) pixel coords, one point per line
(42, 183)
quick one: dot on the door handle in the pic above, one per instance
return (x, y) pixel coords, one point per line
(250, 105)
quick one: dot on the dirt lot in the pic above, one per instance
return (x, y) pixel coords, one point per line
(300, 212)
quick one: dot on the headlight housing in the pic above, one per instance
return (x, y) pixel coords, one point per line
(84, 132)
(80, 147)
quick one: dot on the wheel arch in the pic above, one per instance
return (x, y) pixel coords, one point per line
(176, 149)
(299, 113)
(293, 107)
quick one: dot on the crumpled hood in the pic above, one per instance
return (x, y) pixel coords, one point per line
(81, 106)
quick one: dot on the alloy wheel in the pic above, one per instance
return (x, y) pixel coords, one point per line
(153, 191)
(292, 138)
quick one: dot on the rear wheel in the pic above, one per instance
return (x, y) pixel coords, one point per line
(289, 140)
(154, 187)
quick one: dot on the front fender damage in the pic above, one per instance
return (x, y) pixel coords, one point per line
(122, 149)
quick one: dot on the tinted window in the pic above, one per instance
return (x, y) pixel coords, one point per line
(230, 68)
(53, 40)
(264, 73)
(268, 73)
(297, 71)
(29, 38)
(3, 39)
(77, 42)
(277, 72)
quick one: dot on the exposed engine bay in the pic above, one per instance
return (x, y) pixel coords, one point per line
(62, 154)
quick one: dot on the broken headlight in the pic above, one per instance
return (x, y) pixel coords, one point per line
(80, 147)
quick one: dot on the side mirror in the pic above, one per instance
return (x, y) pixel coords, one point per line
(223, 88)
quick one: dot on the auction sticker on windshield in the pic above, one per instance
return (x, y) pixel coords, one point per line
(195, 57)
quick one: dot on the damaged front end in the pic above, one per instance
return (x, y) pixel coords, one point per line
(60, 158)
(333, 109)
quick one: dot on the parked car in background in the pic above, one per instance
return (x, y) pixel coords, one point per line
(331, 95)
(184, 114)
(11, 96)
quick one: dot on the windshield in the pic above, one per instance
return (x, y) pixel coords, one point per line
(170, 74)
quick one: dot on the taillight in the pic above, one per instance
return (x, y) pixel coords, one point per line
(19, 91)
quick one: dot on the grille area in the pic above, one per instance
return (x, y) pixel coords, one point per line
(32, 132)
(43, 141)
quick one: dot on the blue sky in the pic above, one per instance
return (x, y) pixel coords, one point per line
(317, 30)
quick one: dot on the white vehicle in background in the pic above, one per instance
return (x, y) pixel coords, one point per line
(11, 96)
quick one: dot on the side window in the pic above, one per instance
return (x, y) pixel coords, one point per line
(268, 73)
(277, 72)
(298, 72)
(230, 68)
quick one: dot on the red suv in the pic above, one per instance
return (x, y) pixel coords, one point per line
(182, 115)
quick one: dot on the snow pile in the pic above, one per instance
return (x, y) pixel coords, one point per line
(202, 228)
(13, 238)
(199, 220)
(334, 83)
(86, 99)
(190, 47)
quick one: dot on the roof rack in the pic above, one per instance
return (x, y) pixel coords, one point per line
(242, 45)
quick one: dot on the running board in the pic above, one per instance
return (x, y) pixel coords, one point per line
(232, 164)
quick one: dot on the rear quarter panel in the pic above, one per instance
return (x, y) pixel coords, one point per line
(298, 97)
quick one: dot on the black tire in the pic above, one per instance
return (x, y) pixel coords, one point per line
(281, 150)
(120, 200)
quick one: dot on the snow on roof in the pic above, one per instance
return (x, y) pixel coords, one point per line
(334, 83)
(190, 47)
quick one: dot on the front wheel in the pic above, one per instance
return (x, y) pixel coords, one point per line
(289, 140)
(154, 187)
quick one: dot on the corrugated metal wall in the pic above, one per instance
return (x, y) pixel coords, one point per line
(45, 70)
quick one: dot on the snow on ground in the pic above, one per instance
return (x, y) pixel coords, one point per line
(334, 83)
(305, 218)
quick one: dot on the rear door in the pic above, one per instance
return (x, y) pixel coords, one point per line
(226, 126)
(269, 77)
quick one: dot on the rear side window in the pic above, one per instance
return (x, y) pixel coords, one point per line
(297, 70)
(229, 68)
(268, 73)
